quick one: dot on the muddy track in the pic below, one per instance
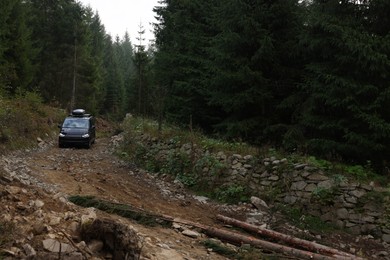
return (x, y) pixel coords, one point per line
(97, 172)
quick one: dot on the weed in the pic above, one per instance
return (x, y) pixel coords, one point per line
(320, 163)
(177, 163)
(219, 248)
(299, 219)
(214, 166)
(324, 195)
(187, 179)
(232, 194)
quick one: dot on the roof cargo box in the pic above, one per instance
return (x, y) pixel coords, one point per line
(78, 112)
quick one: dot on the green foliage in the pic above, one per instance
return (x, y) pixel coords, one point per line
(358, 171)
(127, 211)
(320, 163)
(345, 112)
(24, 119)
(219, 248)
(177, 163)
(297, 217)
(229, 147)
(213, 165)
(232, 194)
(324, 195)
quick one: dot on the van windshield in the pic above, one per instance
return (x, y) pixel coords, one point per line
(75, 123)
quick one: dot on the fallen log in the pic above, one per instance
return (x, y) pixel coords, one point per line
(238, 239)
(301, 243)
(233, 237)
(277, 248)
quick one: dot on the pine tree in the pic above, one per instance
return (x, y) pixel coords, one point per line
(182, 37)
(16, 49)
(141, 61)
(113, 82)
(128, 70)
(255, 67)
(57, 29)
(346, 108)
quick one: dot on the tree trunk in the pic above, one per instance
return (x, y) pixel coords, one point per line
(308, 245)
(239, 239)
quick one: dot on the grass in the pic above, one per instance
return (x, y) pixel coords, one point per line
(24, 119)
(298, 218)
(179, 135)
(188, 168)
(123, 210)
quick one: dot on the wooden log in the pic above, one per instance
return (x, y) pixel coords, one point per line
(238, 239)
(297, 242)
(229, 236)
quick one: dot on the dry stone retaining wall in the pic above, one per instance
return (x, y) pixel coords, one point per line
(334, 199)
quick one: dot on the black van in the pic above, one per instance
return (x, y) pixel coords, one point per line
(77, 129)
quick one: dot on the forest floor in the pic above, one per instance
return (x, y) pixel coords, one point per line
(50, 174)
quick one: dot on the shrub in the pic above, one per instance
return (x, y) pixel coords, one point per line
(232, 194)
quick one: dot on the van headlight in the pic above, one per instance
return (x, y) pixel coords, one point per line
(61, 135)
(85, 136)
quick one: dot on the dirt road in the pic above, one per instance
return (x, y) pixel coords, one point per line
(50, 173)
(99, 173)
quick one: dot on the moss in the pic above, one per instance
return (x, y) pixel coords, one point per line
(123, 210)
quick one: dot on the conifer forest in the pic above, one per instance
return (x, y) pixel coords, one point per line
(307, 76)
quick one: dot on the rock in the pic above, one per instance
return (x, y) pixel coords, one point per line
(119, 239)
(13, 190)
(87, 219)
(177, 226)
(54, 221)
(55, 246)
(39, 228)
(300, 185)
(39, 140)
(327, 184)
(274, 178)
(342, 213)
(95, 246)
(191, 233)
(386, 238)
(201, 199)
(248, 157)
(299, 166)
(358, 193)
(290, 199)
(259, 203)
(38, 204)
(29, 250)
(311, 187)
(13, 251)
(382, 254)
(74, 227)
(317, 177)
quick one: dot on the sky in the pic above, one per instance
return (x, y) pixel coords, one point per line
(119, 16)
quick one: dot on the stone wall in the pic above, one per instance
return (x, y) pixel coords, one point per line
(359, 208)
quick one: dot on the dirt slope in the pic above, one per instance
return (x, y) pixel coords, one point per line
(53, 173)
